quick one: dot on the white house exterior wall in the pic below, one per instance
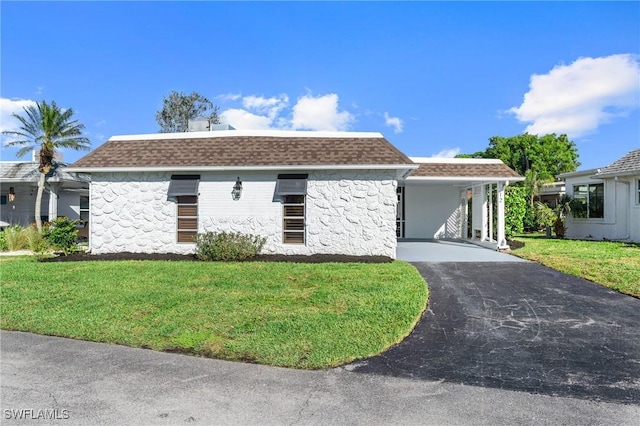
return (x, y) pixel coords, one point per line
(347, 212)
(69, 205)
(21, 212)
(432, 211)
(634, 218)
(621, 213)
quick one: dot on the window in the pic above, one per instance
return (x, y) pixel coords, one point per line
(589, 201)
(187, 218)
(293, 219)
(184, 190)
(3, 199)
(292, 190)
(638, 193)
(400, 212)
(84, 209)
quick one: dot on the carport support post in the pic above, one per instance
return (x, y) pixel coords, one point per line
(53, 202)
(483, 195)
(502, 241)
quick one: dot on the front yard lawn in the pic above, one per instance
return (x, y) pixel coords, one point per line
(284, 314)
(615, 265)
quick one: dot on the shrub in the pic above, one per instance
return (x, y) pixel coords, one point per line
(228, 246)
(34, 240)
(3, 242)
(515, 207)
(62, 234)
(14, 237)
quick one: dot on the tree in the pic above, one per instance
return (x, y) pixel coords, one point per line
(547, 155)
(178, 109)
(538, 158)
(47, 128)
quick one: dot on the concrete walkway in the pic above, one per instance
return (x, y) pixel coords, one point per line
(449, 251)
(95, 383)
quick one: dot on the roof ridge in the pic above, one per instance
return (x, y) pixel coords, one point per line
(247, 133)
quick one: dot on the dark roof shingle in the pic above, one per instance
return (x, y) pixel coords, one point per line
(243, 151)
(627, 165)
(464, 170)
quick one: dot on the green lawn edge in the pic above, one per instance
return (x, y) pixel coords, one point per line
(612, 264)
(308, 316)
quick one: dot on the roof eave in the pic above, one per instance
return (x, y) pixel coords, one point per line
(466, 178)
(241, 168)
(616, 174)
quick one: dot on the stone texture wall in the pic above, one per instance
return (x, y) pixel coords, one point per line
(349, 212)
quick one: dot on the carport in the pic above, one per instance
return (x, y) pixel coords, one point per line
(455, 198)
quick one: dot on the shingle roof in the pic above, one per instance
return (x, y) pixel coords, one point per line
(465, 169)
(627, 165)
(26, 171)
(242, 151)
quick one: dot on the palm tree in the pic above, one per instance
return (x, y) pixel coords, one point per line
(48, 128)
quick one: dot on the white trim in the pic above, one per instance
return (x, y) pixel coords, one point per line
(578, 174)
(243, 168)
(244, 133)
(464, 178)
(437, 160)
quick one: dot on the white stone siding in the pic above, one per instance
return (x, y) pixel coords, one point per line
(350, 212)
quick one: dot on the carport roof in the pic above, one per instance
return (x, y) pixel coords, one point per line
(466, 169)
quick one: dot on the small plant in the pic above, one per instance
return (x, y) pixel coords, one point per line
(62, 234)
(14, 237)
(554, 217)
(227, 246)
(3, 242)
(34, 240)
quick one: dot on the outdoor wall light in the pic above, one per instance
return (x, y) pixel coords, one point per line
(12, 194)
(237, 190)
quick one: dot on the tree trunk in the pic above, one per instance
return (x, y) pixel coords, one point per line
(39, 201)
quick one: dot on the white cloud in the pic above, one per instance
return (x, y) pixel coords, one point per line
(394, 122)
(270, 107)
(308, 113)
(229, 97)
(7, 108)
(245, 120)
(320, 113)
(447, 153)
(576, 99)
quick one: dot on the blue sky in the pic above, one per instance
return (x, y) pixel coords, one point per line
(436, 78)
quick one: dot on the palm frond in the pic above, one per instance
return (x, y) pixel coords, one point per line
(47, 127)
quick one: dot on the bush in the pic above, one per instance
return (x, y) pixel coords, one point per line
(515, 207)
(14, 237)
(62, 234)
(3, 242)
(228, 246)
(34, 240)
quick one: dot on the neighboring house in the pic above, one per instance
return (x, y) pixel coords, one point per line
(65, 194)
(551, 192)
(610, 199)
(307, 192)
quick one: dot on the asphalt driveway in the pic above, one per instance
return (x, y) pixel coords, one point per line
(524, 327)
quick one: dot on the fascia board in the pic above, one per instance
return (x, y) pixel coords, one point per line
(463, 178)
(241, 168)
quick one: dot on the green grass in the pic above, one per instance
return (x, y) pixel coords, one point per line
(615, 265)
(284, 314)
